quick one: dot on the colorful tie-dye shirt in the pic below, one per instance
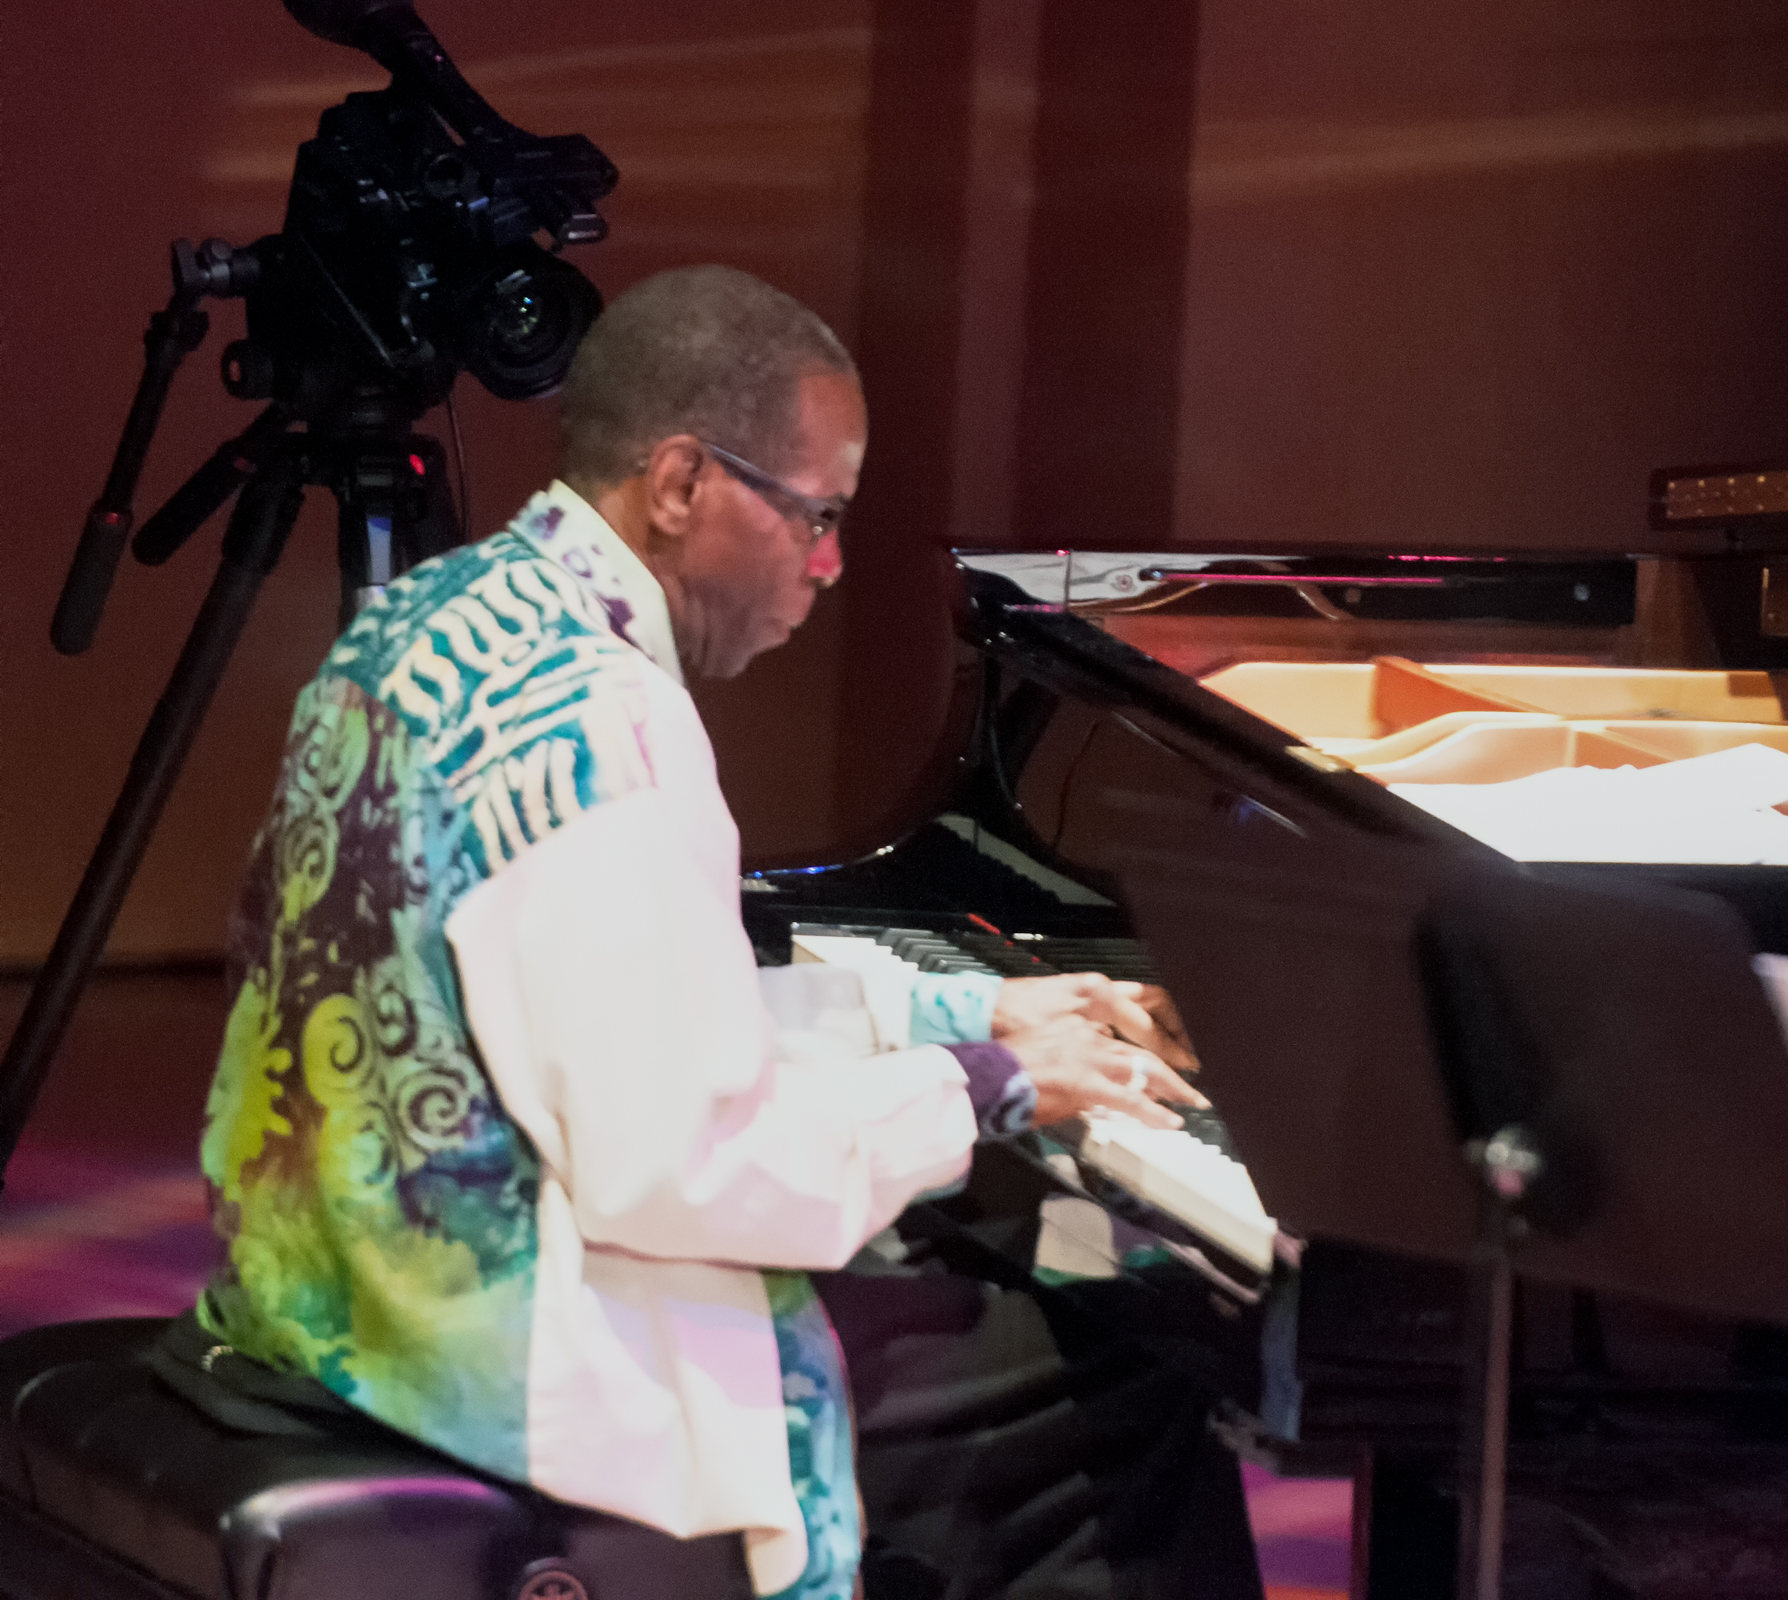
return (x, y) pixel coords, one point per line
(381, 1202)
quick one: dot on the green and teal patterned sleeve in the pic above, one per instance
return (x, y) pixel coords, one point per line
(816, 1403)
(954, 1007)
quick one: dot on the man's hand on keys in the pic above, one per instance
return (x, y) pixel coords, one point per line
(1079, 1065)
(1142, 1013)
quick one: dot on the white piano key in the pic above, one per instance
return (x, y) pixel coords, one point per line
(1188, 1179)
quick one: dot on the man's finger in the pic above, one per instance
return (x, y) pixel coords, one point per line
(1145, 1072)
(1148, 1017)
(1159, 1004)
(1161, 1082)
(1121, 1005)
(1139, 1028)
(1115, 1097)
(1170, 1088)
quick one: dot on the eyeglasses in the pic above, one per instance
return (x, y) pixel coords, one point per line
(820, 516)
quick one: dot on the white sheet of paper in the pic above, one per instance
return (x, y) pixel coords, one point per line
(1713, 808)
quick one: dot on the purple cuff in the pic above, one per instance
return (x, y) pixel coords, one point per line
(1000, 1090)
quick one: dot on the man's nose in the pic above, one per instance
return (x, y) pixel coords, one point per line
(825, 562)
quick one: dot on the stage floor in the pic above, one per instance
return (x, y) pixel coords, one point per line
(103, 1214)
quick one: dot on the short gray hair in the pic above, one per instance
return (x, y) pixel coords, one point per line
(705, 350)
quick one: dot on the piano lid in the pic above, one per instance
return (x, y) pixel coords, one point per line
(1264, 678)
(1476, 703)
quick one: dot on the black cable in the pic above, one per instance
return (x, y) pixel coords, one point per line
(459, 456)
(1061, 803)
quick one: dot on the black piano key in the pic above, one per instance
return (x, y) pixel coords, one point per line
(1206, 1125)
(916, 949)
(942, 961)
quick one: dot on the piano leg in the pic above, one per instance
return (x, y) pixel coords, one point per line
(1406, 1530)
(1214, 1551)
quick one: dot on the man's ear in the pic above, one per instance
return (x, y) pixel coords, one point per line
(673, 478)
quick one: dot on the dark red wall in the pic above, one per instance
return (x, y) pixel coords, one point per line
(1465, 274)
(1119, 273)
(737, 127)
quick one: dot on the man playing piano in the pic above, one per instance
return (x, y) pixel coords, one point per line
(504, 1147)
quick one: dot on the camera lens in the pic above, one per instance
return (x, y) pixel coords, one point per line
(523, 323)
(521, 319)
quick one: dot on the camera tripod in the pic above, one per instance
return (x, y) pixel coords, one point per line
(393, 510)
(411, 251)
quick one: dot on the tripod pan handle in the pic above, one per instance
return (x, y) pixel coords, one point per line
(89, 579)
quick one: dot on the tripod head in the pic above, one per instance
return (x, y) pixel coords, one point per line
(411, 251)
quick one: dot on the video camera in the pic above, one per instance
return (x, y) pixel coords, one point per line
(411, 246)
(412, 250)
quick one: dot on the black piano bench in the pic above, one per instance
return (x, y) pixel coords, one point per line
(114, 1487)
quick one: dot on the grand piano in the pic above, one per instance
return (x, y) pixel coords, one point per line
(1258, 700)
(1241, 707)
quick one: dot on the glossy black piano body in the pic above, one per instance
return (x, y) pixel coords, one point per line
(1351, 1363)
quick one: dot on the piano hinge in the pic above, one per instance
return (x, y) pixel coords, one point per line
(1321, 760)
(1773, 618)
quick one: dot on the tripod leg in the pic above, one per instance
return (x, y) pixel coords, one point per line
(368, 482)
(258, 529)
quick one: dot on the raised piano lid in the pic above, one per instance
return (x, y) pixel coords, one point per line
(1100, 671)
(1275, 676)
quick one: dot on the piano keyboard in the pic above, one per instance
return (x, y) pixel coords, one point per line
(1188, 1174)
(1023, 955)
(1191, 1181)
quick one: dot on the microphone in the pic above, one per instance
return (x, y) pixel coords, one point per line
(402, 43)
(560, 179)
